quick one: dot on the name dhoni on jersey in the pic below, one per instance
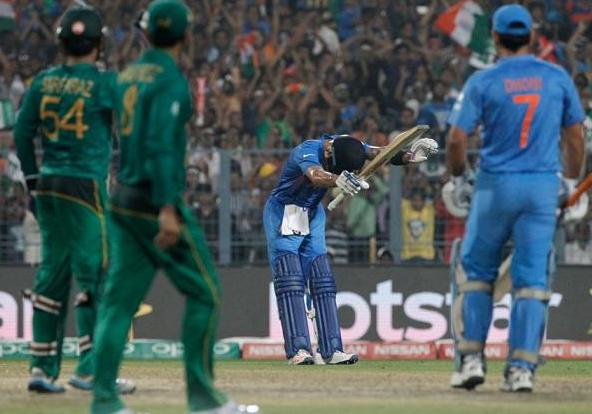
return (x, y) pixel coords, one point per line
(523, 85)
(56, 85)
(144, 73)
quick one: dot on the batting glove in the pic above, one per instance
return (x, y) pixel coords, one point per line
(579, 210)
(422, 149)
(350, 184)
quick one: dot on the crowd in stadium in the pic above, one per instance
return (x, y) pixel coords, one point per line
(268, 73)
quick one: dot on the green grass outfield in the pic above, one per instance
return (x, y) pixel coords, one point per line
(370, 387)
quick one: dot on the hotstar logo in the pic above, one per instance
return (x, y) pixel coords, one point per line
(425, 315)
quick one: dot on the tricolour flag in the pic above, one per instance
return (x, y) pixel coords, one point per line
(468, 25)
(7, 16)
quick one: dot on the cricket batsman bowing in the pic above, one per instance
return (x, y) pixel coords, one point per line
(294, 220)
(523, 105)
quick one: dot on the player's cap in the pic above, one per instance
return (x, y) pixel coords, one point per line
(166, 20)
(512, 19)
(348, 154)
(80, 23)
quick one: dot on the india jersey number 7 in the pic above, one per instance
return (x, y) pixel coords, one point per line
(532, 100)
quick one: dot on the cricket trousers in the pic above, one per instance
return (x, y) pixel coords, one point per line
(520, 207)
(134, 263)
(70, 212)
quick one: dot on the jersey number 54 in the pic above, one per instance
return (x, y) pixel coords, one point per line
(72, 121)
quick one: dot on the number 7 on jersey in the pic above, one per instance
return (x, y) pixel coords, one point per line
(533, 102)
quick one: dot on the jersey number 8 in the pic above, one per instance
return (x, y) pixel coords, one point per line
(73, 120)
(130, 97)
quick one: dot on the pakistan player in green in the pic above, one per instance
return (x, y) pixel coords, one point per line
(70, 106)
(151, 228)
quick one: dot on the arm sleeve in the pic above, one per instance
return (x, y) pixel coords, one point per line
(306, 155)
(573, 112)
(25, 130)
(467, 110)
(108, 91)
(164, 119)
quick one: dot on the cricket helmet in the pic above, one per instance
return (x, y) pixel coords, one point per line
(454, 207)
(348, 154)
(457, 196)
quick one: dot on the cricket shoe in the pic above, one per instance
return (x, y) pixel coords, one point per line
(302, 357)
(341, 358)
(471, 373)
(318, 359)
(231, 408)
(86, 384)
(518, 379)
(41, 383)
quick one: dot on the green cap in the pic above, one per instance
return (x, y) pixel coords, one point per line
(166, 20)
(80, 22)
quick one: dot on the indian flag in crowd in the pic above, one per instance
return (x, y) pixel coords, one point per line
(7, 16)
(468, 25)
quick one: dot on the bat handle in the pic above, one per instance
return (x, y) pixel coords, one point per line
(336, 201)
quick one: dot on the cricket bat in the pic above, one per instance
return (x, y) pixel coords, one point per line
(401, 141)
(503, 283)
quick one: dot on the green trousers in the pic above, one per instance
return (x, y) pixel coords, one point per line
(134, 262)
(72, 222)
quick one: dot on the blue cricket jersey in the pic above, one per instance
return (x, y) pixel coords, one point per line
(522, 103)
(294, 187)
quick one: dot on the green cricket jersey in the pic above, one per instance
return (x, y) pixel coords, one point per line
(154, 104)
(72, 107)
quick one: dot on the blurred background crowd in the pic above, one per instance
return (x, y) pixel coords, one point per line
(267, 74)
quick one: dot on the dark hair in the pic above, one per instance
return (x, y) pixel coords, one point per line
(417, 191)
(407, 109)
(165, 42)
(513, 42)
(80, 46)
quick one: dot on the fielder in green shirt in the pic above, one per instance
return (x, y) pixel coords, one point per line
(70, 107)
(150, 226)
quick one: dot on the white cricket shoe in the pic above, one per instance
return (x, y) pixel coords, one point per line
(318, 359)
(231, 408)
(518, 379)
(341, 358)
(302, 357)
(471, 374)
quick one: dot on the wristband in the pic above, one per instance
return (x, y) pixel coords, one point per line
(398, 159)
